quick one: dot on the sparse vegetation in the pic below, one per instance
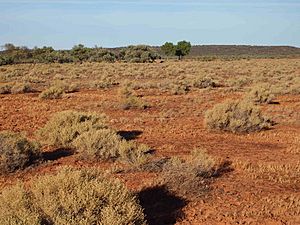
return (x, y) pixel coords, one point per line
(238, 116)
(16, 152)
(265, 181)
(70, 197)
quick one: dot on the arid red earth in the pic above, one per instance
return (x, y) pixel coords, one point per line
(262, 182)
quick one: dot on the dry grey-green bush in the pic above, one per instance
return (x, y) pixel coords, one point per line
(295, 87)
(16, 152)
(64, 127)
(237, 116)
(189, 178)
(104, 82)
(52, 93)
(19, 88)
(106, 144)
(134, 102)
(98, 145)
(133, 153)
(80, 197)
(204, 82)
(66, 87)
(129, 100)
(5, 88)
(261, 93)
(179, 88)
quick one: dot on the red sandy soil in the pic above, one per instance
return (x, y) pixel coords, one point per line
(174, 126)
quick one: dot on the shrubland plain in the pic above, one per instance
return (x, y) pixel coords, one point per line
(210, 141)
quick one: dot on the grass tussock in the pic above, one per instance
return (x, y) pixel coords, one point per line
(278, 173)
(239, 116)
(16, 152)
(70, 197)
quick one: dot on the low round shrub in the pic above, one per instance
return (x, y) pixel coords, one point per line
(5, 88)
(16, 152)
(189, 178)
(98, 145)
(261, 94)
(21, 88)
(52, 93)
(106, 144)
(204, 82)
(80, 197)
(237, 117)
(64, 127)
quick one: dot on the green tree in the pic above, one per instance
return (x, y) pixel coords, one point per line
(168, 49)
(182, 48)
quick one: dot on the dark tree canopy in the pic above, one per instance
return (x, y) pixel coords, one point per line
(168, 48)
(183, 48)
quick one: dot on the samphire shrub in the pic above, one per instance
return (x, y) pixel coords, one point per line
(52, 93)
(261, 93)
(16, 152)
(64, 127)
(237, 116)
(80, 197)
(189, 178)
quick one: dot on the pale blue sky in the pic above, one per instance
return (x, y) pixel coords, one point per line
(64, 23)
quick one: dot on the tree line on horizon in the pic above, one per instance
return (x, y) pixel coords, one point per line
(12, 54)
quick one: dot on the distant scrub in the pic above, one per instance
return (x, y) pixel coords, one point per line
(79, 53)
(139, 54)
(70, 197)
(16, 152)
(238, 116)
